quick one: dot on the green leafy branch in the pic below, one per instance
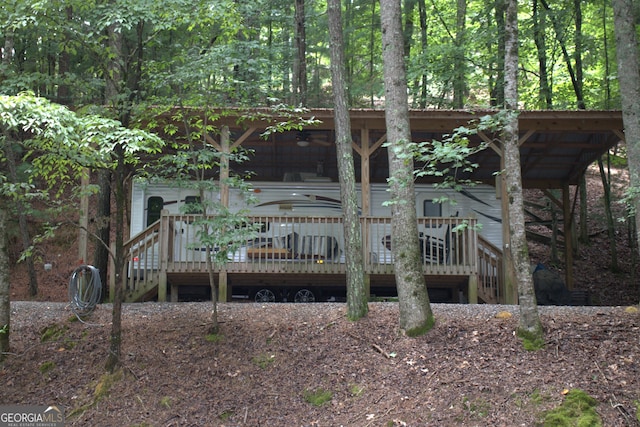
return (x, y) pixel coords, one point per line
(291, 119)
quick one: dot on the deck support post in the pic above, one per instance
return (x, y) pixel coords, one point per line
(473, 289)
(568, 236)
(223, 294)
(367, 285)
(162, 287)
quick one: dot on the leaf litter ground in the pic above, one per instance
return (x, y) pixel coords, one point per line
(469, 370)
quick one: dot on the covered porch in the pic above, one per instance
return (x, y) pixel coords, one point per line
(556, 148)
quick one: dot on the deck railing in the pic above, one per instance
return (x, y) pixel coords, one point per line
(315, 245)
(142, 261)
(490, 272)
(308, 245)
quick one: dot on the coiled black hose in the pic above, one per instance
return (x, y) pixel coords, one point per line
(85, 290)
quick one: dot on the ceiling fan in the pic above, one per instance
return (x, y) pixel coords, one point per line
(304, 139)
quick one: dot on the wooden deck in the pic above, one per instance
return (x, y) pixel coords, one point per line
(309, 250)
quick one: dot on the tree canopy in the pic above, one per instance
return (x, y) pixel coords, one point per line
(233, 53)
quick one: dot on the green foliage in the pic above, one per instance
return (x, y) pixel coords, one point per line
(4, 329)
(166, 402)
(630, 199)
(578, 409)
(241, 53)
(537, 397)
(356, 390)
(52, 333)
(532, 341)
(263, 360)
(421, 330)
(46, 367)
(106, 381)
(214, 338)
(317, 397)
(226, 415)
(44, 133)
(450, 158)
(291, 118)
(478, 407)
(56, 146)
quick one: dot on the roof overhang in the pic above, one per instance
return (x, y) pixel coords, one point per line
(556, 147)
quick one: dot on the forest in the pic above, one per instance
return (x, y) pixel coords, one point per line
(230, 53)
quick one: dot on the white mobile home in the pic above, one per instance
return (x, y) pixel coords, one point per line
(322, 199)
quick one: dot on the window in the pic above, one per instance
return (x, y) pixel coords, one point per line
(154, 208)
(432, 208)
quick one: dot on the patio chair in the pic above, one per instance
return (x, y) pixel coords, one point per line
(435, 244)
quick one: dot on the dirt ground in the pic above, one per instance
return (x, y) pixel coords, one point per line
(470, 370)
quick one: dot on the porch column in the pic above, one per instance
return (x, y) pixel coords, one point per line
(164, 257)
(365, 185)
(365, 195)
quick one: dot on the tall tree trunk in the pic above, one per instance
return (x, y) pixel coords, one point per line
(416, 317)
(357, 294)
(64, 91)
(607, 67)
(115, 345)
(408, 7)
(539, 25)
(577, 55)
(10, 156)
(530, 327)
(7, 52)
(605, 176)
(300, 62)
(422, 11)
(112, 92)
(25, 237)
(103, 223)
(497, 95)
(373, 57)
(629, 77)
(459, 80)
(577, 84)
(5, 285)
